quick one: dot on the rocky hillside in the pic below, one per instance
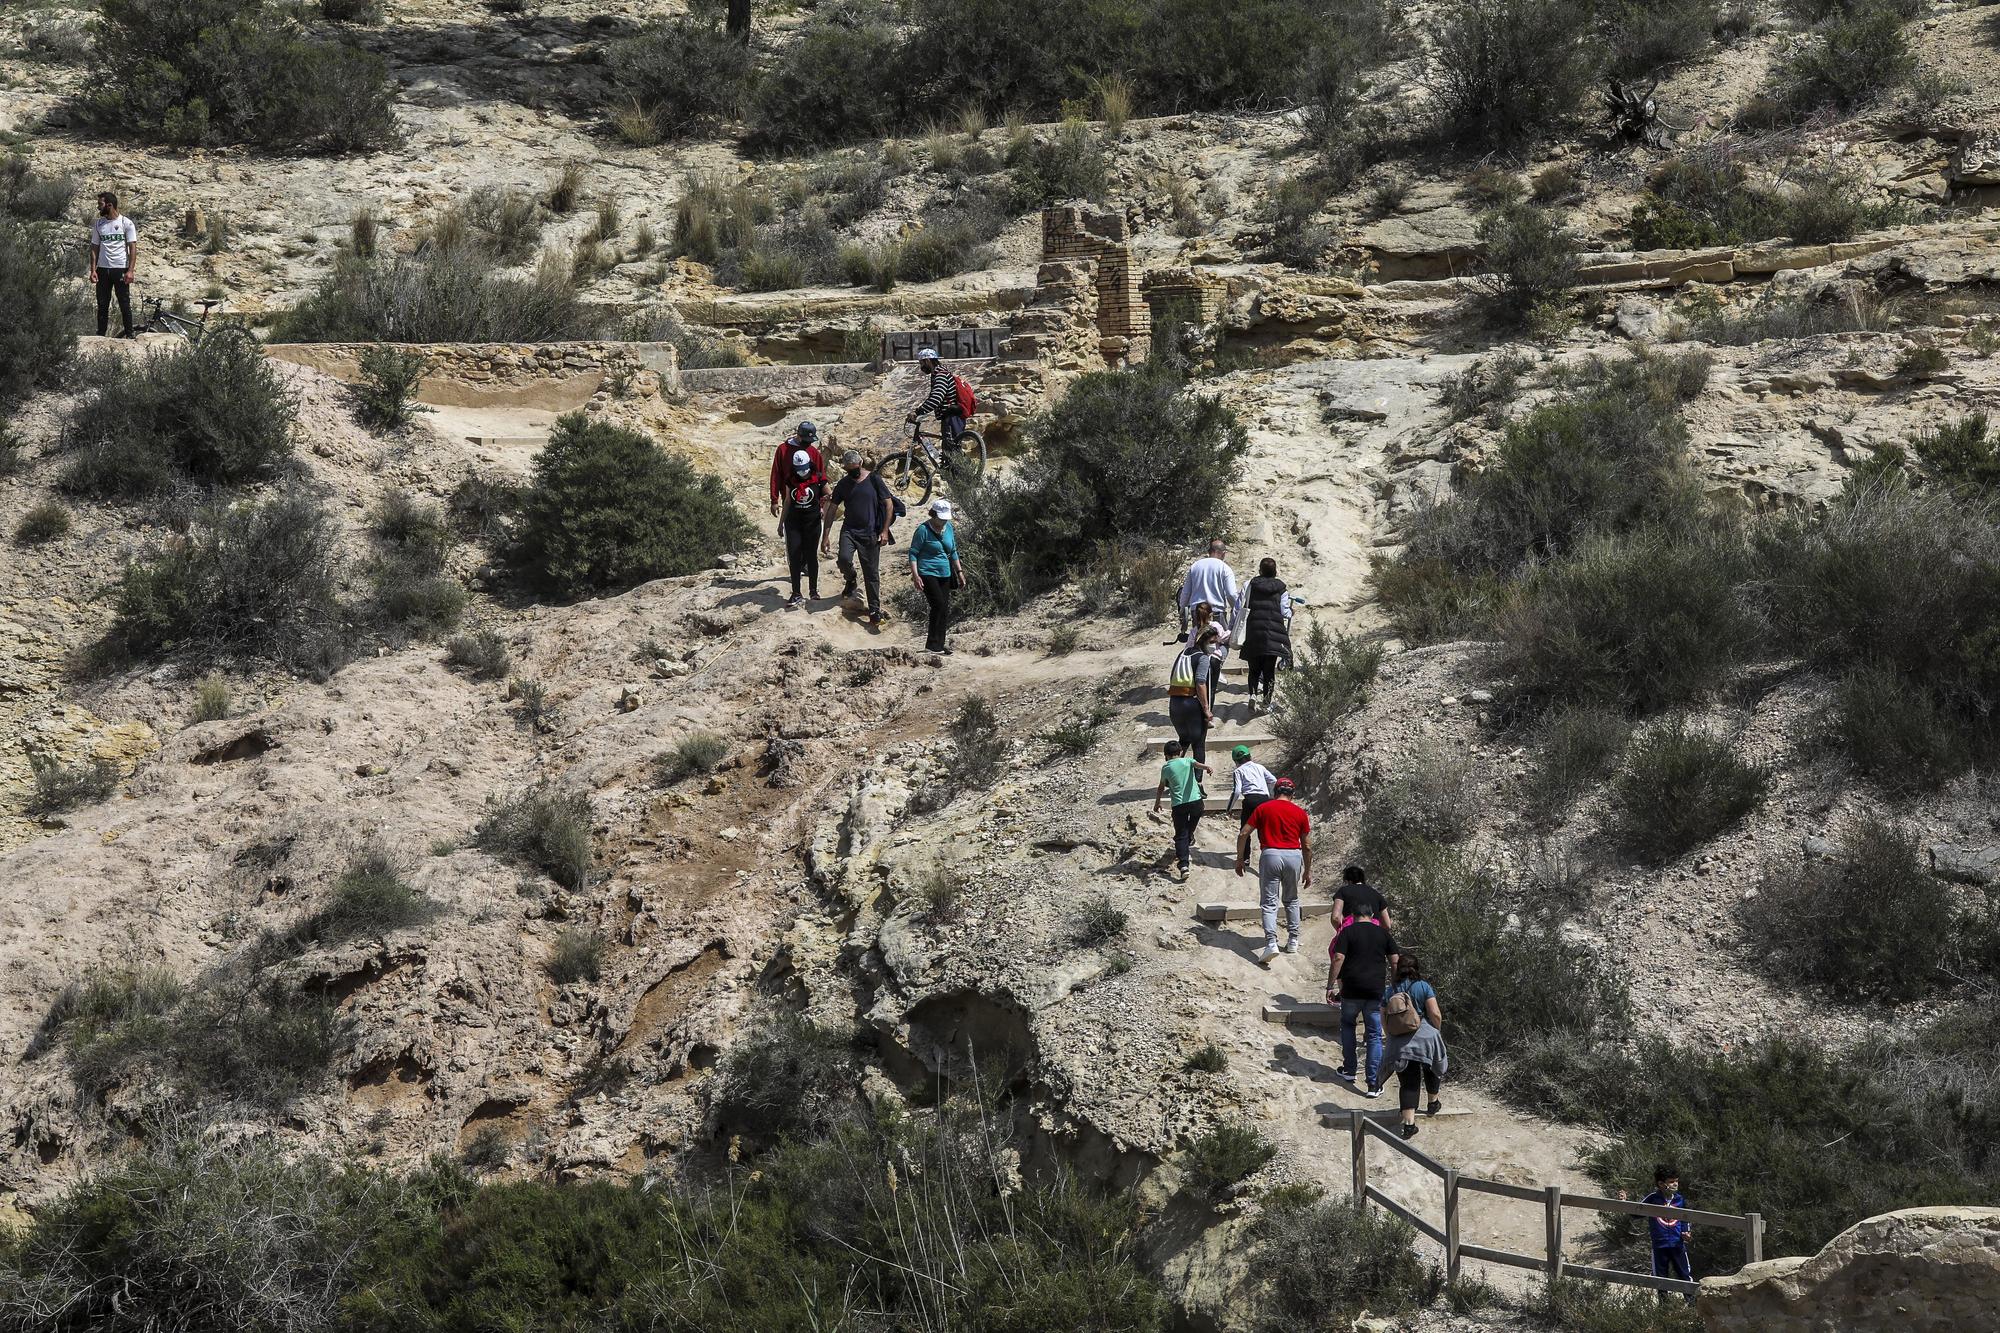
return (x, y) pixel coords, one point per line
(1637, 487)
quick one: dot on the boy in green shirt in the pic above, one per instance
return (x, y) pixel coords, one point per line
(1180, 778)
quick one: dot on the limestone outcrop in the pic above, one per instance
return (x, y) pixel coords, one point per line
(1921, 1270)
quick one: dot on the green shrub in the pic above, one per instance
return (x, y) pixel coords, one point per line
(60, 787)
(28, 196)
(1899, 732)
(1207, 1058)
(1434, 798)
(1098, 922)
(1648, 34)
(1579, 747)
(1031, 55)
(452, 294)
(1574, 1305)
(692, 756)
(1858, 51)
(43, 523)
(1873, 920)
(253, 579)
(1379, 1270)
(578, 955)
(368, 900)
(1074, 739)
(533, 696)
(1534, 261)
(1680, 788)
(215, 71)
(608, 509)
(1510, 979)
(1508, 71)
(214, 411)
(1706, 197)
(1789, 318)
(840, 78)
(482, 655)
(1961, 453)
(44, 310)
(412, 592)
(1486, 387)
(211, 699)
(387, 392)
(544, 828)
(1129, 457)
(1922, 362)
(1298, 238)
(978, 751)
(1069, 164)
(787, 1079)
(1218, 1160)
(351, 11)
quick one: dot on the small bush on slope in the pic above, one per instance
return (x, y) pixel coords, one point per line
(607, 509)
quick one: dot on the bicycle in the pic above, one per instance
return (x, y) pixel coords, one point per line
(924, 458)
(163, 320)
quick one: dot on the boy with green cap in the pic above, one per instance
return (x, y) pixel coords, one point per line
(1253, 786)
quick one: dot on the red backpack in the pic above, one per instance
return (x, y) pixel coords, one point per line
(967, 402)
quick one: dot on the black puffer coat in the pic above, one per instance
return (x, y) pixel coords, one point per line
(1265, 633)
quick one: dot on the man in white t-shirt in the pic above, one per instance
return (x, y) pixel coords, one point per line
(114, 252)
(1210, 580)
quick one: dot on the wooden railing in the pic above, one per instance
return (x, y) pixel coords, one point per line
(1553, 1200)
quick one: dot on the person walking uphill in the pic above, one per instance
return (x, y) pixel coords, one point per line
(1211, 580)
(1284, 867)
(1414, 1026)
(1265, 612)
(114, 256)
(935, 568)
(1253, 784)
(803, 522)
(806, 437)
(868, 509)
(1180, 778)
(1190, 685)
(1364, 958)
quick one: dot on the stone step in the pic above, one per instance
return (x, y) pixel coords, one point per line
(1391, 1112)
(1305, 1015)
(1212, 805)
(1251, 912)
(1218, 742)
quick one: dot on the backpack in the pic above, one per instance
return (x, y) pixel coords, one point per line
(1180, 681)
(896, 507)
(968, 403)
(1400, 1017)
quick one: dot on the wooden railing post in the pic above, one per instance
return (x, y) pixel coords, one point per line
(1357, 1125)
(1451, 1223)
(1753, 1238)
(1553, 1225)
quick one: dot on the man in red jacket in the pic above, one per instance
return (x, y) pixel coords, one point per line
(806, 437)
(1285, 867)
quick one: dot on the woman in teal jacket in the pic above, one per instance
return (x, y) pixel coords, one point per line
(934, 568)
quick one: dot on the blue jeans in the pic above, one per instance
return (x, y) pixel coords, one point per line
(1369, 1008)
(1672, 1261)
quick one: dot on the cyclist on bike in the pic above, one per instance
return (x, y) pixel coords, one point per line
(806, 437)
(940, 396)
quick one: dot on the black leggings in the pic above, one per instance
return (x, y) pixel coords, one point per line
(111, 282)
(1265, 669)
(1186, 817)
(937, 592)
(802, 551)
(1190, 727)
(1409, 1079)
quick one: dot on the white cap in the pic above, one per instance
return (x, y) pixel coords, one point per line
(942, 508)
(927, 354)
(801, 459)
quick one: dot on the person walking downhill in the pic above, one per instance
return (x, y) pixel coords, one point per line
(1265, 612)
(1254, 784)
(1284, 866)
(803, 522)
(934, 567)
(114, 258)
(1414, 1026)
(1180, 778)
(1190, 684)
(806, 437)
(864, 529)
(1364, 958)
(942, 397)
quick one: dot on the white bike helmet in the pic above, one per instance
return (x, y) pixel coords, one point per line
(927, 354)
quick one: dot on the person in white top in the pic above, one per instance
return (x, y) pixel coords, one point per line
(114, 253)
(1253, 786)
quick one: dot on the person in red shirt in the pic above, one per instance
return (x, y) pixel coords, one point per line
(1285, 866)
(806, 437)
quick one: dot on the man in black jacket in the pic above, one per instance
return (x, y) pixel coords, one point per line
(866, 511)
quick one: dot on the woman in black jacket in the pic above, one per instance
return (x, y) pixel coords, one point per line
(1267, 628)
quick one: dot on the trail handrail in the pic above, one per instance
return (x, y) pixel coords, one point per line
(1553, 1200)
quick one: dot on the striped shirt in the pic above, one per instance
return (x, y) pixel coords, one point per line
(943, 393)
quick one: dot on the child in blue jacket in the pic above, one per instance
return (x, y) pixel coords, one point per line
(1670, 1235)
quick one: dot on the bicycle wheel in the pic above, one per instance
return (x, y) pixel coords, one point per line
(974, 445)
(909, 476)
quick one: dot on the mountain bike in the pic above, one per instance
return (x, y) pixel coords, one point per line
(912, 471)
(162, 320)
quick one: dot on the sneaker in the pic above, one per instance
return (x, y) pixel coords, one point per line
(1372, 1093)
(846, 591)
(1292, 944)
(813, 592)
(1344, 1075)
(1409, 1131)
(946, 651)
(1434, 1107)
(875, 620)
(1266, 954)
(796, 600)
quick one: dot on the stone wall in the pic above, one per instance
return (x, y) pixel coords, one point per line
(1124, 325)
(1183, 296)
(464, 373)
